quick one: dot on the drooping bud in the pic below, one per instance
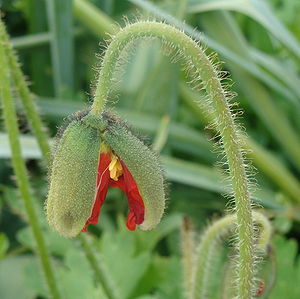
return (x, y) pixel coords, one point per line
(96, 152)
(72, 180)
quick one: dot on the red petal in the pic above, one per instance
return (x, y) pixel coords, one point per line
(102, 182)
(135, 201)
(130, 222)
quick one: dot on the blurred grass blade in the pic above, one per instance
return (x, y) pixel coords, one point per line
(259, 97)
(32, 40)
(194, 175)
(29, 147)
(162, 134)
(263, 159)
(207, 178)
(60, 19)
(39, 58)
(37, 39)
(258, 10)
(246, 64)
(267, 61)
(93, 18)
(177, 170)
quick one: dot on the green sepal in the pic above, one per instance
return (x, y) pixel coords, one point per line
(144, 166)
(95, 121)
(72, 180)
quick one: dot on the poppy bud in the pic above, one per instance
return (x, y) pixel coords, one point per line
(72, 180)
(95, 153)
(144, 167)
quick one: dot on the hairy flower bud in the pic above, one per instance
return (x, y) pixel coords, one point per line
(72, 180)
(144, 167)
(94, 153)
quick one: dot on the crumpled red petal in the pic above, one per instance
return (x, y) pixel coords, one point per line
(131, 221)
(126, 183)
(102, 183)
(135, 201)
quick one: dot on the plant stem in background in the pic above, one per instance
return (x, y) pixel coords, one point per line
(209, 246)
(97, 266)
(26, 97)
(188, 257)
(203, 70)
(10, 120)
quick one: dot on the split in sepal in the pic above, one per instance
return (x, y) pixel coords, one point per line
(92, 154)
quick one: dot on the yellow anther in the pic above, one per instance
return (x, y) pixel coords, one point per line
(115, 168)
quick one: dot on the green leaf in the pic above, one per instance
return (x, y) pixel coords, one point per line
(146, 241)
(126, 266)
(288, 269)
(246, 63)
(4, 244)
(258, 96)
(60, 20)
(55, 243)
(77, 277)
(20, 277)
(193, 174)
(259, 10)
(164, 276)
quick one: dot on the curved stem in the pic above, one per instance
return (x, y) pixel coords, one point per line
(10, 119)
(26, 98)
(199, 62)
(208, 245)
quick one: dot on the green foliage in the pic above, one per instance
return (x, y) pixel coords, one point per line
(127, 257)
(4, 244)
(287, 269)
(259, 42)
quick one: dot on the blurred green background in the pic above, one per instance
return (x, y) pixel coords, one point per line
(56, 41)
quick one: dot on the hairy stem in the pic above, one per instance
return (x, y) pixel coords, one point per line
(209, 243)
(98, 268)
(10, 120)
(195, 57)
(188, 257)
(26, 97)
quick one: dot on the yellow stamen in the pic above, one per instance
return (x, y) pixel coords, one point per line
(115, 168)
